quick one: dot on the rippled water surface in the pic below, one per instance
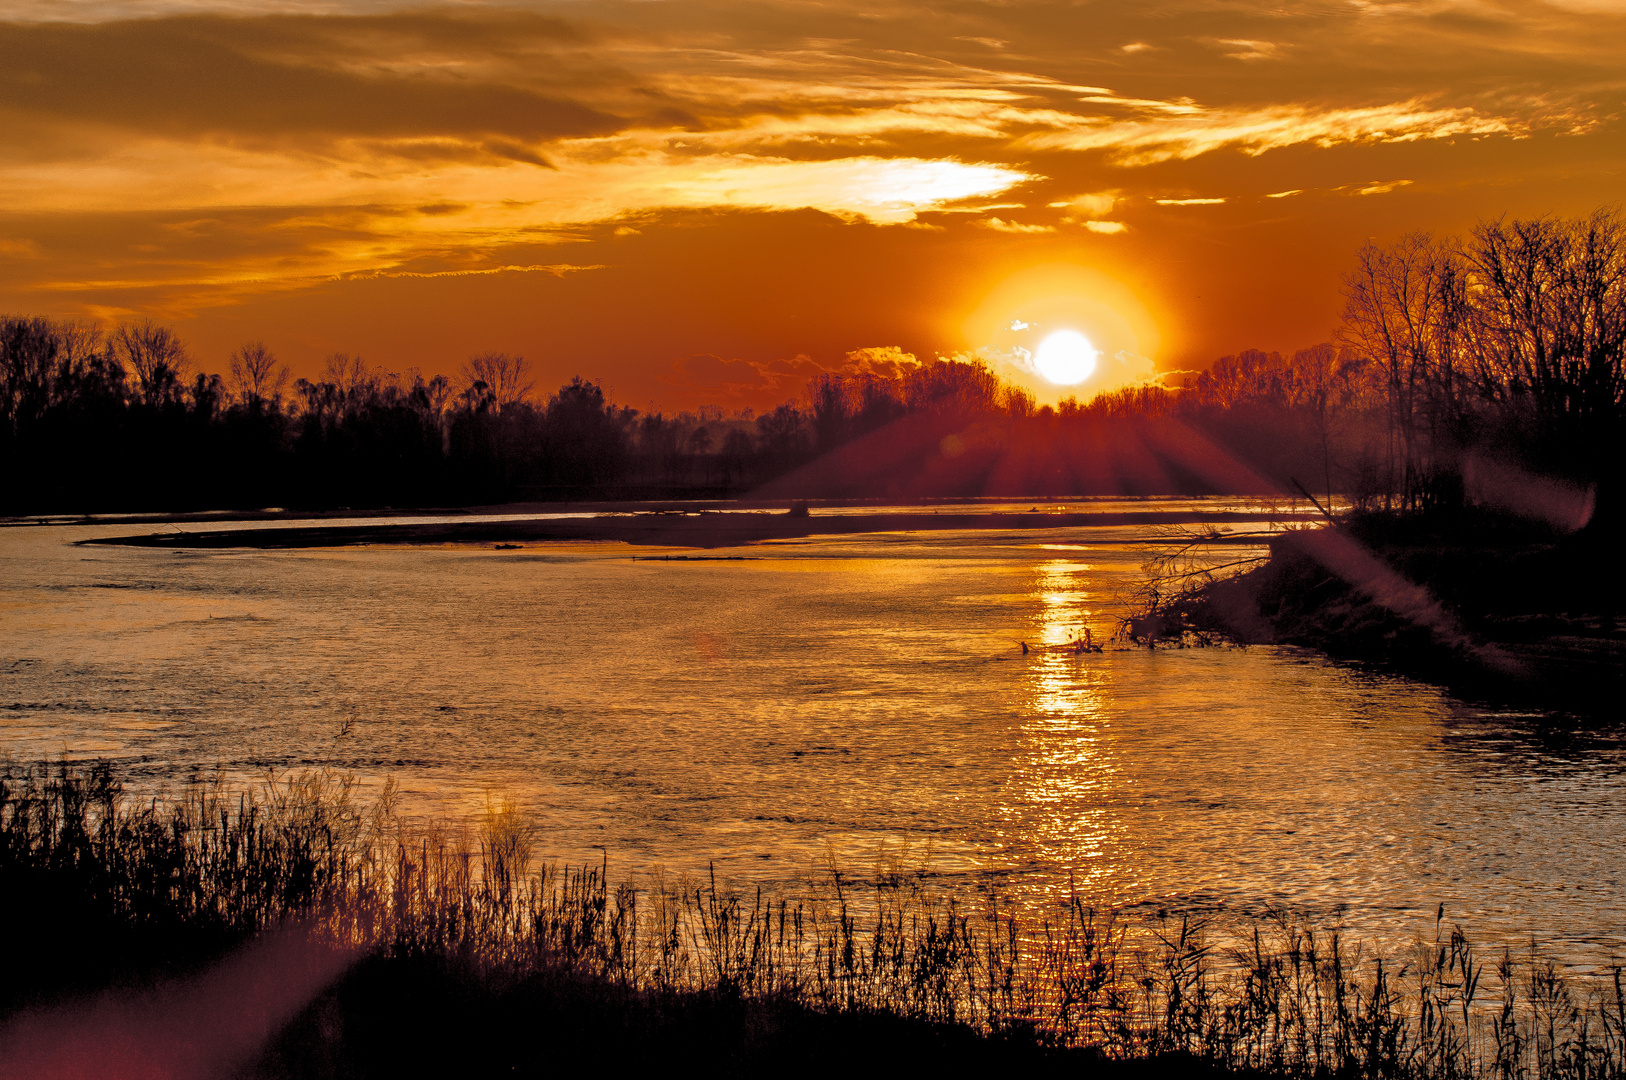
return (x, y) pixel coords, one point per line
(862, 697)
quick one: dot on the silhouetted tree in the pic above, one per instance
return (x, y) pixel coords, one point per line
(28, 371)
(736, 453)
(503, 378)
(1510, 339)
(155, 356)
(586, 438)
(1550, 307)
(783, 438)
(257, 379)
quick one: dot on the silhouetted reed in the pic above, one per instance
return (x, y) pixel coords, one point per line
(190, 876)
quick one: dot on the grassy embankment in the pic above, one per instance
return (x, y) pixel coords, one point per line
(292, 930)
(1487, 602)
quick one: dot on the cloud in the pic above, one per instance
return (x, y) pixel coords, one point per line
(228, 148)
(1088, 209)
(276, 76)
(1256, 131)
(592, 182)
(885, 190)
(1122, 368)
(886, 361)
(340, 218)
(1015, 359)
(1189, 202)
(556, 269)
(1179, 107)
(1246, 49)
(1285, 194)
(1382, 187)
(1093, 205)
(1001, 225)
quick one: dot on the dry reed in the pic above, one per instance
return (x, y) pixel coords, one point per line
(218, 866)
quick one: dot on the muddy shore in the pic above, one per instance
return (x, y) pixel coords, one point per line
(705, 529)
(1486, 605)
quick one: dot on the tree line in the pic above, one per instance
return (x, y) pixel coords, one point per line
(1509, 341)
(1506, 342)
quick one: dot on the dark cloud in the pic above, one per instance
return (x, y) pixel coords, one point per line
(506, 81)
(282, 76)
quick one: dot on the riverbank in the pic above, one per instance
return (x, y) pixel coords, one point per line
(1487, 603)
(293, 929)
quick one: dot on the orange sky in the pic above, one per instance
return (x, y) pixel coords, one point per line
(705, 202)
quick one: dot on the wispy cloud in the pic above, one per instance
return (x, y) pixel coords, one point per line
(1256, 131)
(1090, 209)
(373, 219)
(231, 149)
(1095, 204)
(1001, 225)
(556, 269)
(1382, 187)
(1246, 49)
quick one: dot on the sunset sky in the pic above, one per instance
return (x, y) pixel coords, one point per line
(706, 201)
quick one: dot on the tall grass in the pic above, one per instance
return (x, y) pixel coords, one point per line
(215, 866)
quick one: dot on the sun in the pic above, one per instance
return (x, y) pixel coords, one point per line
(1065, 357)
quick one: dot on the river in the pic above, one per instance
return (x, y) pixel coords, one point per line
(862, 700)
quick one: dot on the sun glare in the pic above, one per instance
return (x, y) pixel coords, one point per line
(1065, 357)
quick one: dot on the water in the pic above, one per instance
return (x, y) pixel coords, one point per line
(861, 700)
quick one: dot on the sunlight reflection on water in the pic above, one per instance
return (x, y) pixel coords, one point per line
(1069, 762)
(850, 697)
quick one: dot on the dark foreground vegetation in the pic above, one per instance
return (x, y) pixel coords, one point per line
(295, 929)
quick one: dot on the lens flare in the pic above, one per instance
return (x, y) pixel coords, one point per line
(1065, 357)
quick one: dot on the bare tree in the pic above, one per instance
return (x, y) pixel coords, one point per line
(1325, 380)
(505, 378)
(430, 398)
(432, 394)
(155, 356)
(256, 376)
(831, 410)
(348, 374)
(1406, 309)
(29, 350)
(736, 451)
(952, 386)
(1528, 319)
(1551, 306)
(80, 340)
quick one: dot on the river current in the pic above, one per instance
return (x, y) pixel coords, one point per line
(856, 700)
